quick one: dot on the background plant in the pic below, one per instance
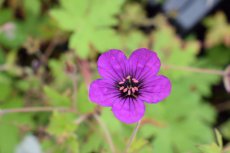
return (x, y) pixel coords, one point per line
(48, 54)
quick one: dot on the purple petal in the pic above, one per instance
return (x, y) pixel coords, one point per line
(155, 89)
(112, 65)
(144, 63)
(103, 93)
(129, 111)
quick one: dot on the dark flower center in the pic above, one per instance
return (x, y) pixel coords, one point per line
(129, 87)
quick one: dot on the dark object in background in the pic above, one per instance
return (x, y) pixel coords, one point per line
(187, 13)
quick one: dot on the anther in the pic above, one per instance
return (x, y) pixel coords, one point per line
(121, 82)
(121, 88)
(129, 92)
(135, 80)
(135, 88)
(125, 90)
(128, 77)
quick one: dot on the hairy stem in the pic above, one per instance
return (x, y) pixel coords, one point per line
(133, 136)
(193, 69)
(106, 132)
(34, 109)
(74, 94)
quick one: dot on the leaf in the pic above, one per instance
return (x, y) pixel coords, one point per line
(63, 128)
(218, 30)
(55, 98)
(62, 124)
(2, 56)
(94, 142)
(35, 10)
(213, 147)
(133, 40)
(80, 42)
(115, 127)
(178, 52)
(113, 124)
(10, 132)
(173, 125)
(5, 87)
(61, 80)
(137, 145)
(9, 138)
(83, 103)
(219, 138)
(87, 30)
(225, 129)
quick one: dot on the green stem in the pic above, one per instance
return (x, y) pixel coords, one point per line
(133, 136)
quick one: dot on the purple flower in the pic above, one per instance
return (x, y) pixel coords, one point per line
(127, 83)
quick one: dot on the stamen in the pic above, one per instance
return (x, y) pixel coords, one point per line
(135, 80)
(128, 86)
(125, 90)
(128, 77)
(129, 92)
(135, 88)
(121, 88)
(134, 96)
(121, 82)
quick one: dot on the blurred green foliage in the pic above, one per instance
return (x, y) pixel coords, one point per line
(45, 44)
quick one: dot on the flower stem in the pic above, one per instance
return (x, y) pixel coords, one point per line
(106, 132)
(193, 69)
(74, 94)
(133, 136)
(34, 109)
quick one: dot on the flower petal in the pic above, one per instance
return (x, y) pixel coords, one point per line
(155, 89)
(129, 111)
(144, 63)
(112, 65)
(103, 93)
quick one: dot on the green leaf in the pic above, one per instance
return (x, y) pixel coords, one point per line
(180, 125)
(80, 43)
(225, 129)
(218, 30)
(5, 87)
(83, 103)
(94, 142)
(55, 98)
(133, 40)
(2, 56)
(178, 52)
(87, 30)
(61, 80)
(9, 138)
(219, 138)
(110, 120)
(63, 128)
(213, 147)
(35, 10)
(9, 130)
(62, 124)
(137, 145)
(6, 15)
